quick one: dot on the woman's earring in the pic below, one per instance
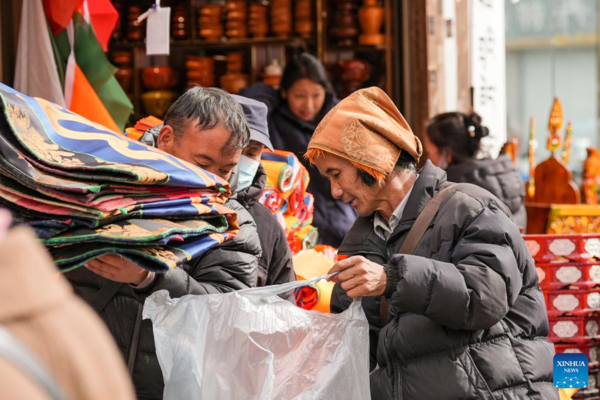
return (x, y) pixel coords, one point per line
(471, 130)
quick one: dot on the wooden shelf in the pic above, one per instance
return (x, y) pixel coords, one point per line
(223, 43)
(357, 47)
(259, 52)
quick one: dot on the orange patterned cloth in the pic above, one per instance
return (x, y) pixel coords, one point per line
(367, 129)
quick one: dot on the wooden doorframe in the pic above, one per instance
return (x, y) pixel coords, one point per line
(10, 18)
(415, 104)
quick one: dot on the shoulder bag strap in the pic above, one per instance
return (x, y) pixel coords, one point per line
(105, 295)
(135, 340)
(414, 237)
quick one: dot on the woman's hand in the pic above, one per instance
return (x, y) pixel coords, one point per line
(360, 277)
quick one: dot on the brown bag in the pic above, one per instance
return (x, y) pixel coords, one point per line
(414, 237)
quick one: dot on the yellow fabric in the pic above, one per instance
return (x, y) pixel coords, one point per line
(279, 176)
(309, 264)
(567, 394)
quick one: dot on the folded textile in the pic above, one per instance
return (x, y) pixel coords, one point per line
(279, 175)
(142, 231)
(80, 149)
(158, 206)
(152, 258)
(87, 191)
(307, 265)
(285, 195)
(280, 158)
(307, 296)
(271, 198)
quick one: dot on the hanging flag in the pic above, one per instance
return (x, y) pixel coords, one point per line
(80, 96)
(103, 17)
(35, 73)
(60, 12)
(94, 65)
(85, 101)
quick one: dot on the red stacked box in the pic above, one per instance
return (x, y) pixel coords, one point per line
(568, 267)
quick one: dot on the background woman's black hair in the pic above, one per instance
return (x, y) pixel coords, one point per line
(303, 65)
(458, 132)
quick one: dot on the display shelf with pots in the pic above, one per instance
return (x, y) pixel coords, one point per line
(224, 42)
(354, 31)
(204, 33)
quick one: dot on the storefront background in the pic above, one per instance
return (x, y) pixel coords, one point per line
(552, 50)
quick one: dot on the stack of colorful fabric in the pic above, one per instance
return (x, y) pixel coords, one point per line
(285, 195)
(88, 191)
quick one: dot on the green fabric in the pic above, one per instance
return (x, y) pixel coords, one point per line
(89, 54)
(116, 101)
(61, 64)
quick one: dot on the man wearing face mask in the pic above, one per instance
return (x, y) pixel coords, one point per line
(275, 265)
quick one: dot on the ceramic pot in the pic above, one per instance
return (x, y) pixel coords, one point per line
(304, 28)
(353, 75)
(211, 9)
(121, 58)
(236, 33)
(124, 76)
(272, 80)
(134, 28)
(234, 82)
(158, 78)
(211, 34)
(200, 63)
(157, 102)
(282, 29)
(344, 27)
(210, 21)
(354, 70)
(370, 17)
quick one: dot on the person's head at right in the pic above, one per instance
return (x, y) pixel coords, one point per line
(206, 127)
(453, 138)
(367, 151)
(304, 85)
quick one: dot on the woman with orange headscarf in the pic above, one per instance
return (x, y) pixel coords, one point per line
(455, 309)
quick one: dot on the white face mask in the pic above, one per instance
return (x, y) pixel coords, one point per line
(248, 168)
(443, 161)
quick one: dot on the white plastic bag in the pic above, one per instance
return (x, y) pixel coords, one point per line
(252, 344)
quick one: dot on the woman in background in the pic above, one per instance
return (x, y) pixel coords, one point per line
(295, 110)
(452, 142)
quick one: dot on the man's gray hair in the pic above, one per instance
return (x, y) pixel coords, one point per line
(211, 107)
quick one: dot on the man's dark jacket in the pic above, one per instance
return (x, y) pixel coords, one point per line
(468, 319)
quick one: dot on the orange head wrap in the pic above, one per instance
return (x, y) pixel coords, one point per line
(367, 129)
